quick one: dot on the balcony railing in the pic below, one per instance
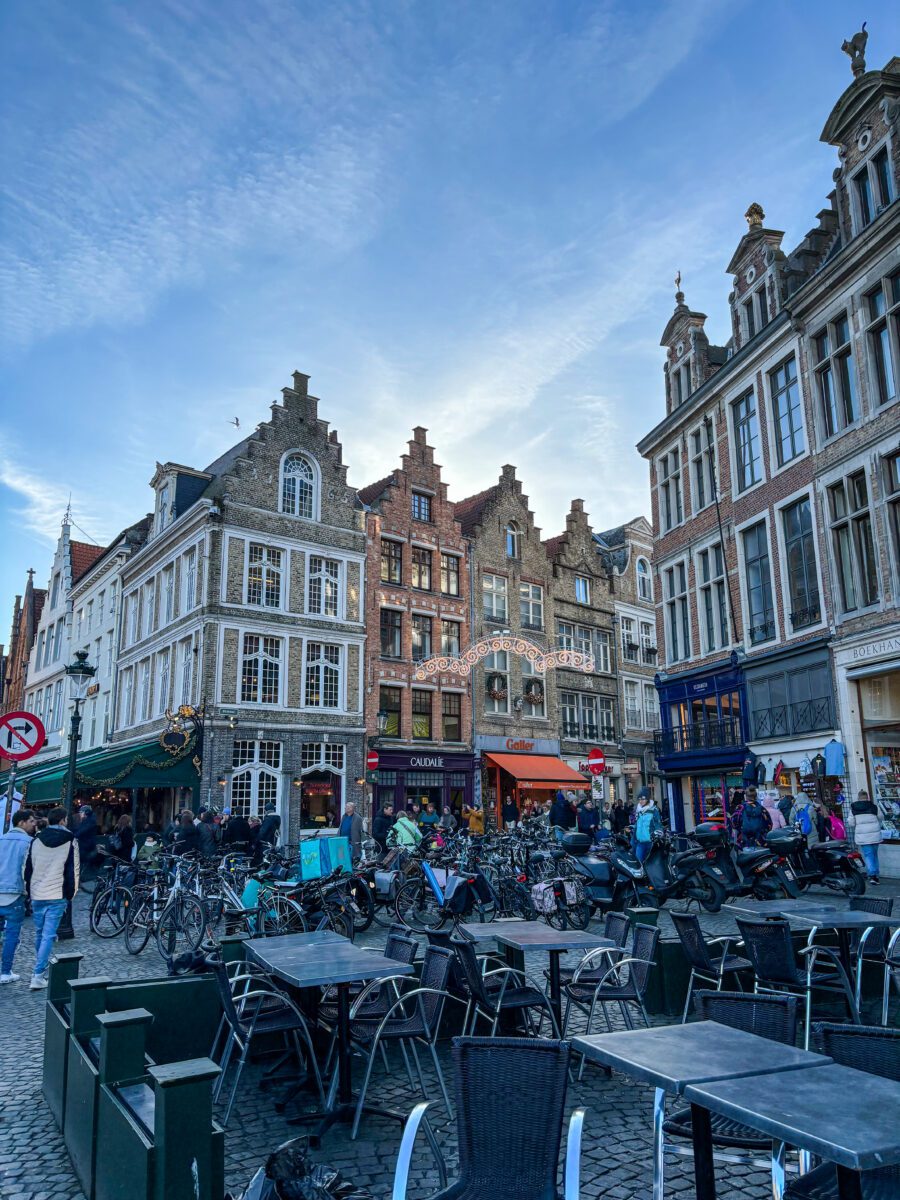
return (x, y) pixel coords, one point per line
(720, 734)
(651, 718)
(632, 717)
(804, 716)
(586, 731)
(802, 617)
(537, 626)
(762, 632)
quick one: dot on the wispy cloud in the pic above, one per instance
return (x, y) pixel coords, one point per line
(39, 504)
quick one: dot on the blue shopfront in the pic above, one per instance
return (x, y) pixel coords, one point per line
(701, 746)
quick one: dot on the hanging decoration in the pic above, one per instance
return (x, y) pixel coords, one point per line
(534, 693)
(495, 687)
(541, 660)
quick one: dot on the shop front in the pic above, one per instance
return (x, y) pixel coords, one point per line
(526, 769)
(405, 777)
(701, 747)
(868, 681)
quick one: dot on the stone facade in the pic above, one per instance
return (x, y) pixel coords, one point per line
(248, 599)
(774, 476)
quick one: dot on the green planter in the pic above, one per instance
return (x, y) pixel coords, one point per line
(56, 1033)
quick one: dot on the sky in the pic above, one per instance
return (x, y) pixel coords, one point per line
(466, 216)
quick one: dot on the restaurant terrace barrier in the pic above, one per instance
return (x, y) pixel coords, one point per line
(56, 1033)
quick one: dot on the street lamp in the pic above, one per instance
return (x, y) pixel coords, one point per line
(79, 673)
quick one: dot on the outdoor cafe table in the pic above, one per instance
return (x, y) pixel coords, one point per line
(846, 1116)
(325, 959)
(673, 1057)
(529, 936)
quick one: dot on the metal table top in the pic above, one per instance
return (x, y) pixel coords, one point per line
(674, 1056)
(305, 963)
(844, 1115)
(536, 935)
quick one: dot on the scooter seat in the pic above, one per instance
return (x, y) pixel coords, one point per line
(839, 845)
(750, 856)
(682, 854)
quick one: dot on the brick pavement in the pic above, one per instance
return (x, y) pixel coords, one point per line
(34, 1164)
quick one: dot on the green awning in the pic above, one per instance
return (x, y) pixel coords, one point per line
(145, 765)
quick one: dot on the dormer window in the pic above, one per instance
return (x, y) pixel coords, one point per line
(513, 541)
(872, 188)
(682, 379)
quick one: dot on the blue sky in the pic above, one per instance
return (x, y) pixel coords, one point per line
(465, 216)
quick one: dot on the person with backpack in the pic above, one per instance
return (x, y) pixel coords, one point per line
(803, 815)
(647, 820)
(785, 804)
(405, 832)
(755, 821)
(51, 880)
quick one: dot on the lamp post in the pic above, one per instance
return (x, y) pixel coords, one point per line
(79, 673)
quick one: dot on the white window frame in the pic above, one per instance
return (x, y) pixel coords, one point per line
(637, 707)
(707, 459)
(531, 600)
(740, 395)
(739, 531)
(163, 674)
(314, 512)
(185, 681)
(603, 652)
(675, 481)
(189, 577)
(673, 565)
(877, 202)
(145, 690)
(496, 586)
(647, 575)
(323, 663)
(709, 547)
(776, 468)
(492, 707)
(263, 654)
(585, 581)
(168, 607)
(817, 524)
(266, 568)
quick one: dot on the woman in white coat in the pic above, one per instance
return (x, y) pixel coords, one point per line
(867, 832)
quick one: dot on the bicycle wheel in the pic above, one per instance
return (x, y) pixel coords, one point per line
(338, 919)
(518, 902)
(362, 906)
(109, 912)
(417, 907)
(181, 927)
(139, 922)
(281, 914)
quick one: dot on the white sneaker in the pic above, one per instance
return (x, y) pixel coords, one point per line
(38, 982)
(10, 978)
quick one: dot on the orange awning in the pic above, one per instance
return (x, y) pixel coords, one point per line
(538, 771)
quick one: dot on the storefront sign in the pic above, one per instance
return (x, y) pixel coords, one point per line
(631, 767)
(700, 687)
(508, 745)
(318, 789)
(435, 763)
(875, 649)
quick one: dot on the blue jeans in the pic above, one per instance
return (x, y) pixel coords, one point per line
(870, 858)
(13, 915)
(641, 850)
(47, 916)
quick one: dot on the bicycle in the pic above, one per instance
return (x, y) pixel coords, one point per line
(110, 903)
(425, 903)
(182, 923)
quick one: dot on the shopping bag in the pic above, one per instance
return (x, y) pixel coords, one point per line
(310, 859)
(335, 852)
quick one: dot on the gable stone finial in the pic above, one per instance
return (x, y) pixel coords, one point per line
(679, 294)
(754, 216)
(856, 49)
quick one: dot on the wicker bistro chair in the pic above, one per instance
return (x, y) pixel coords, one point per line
(412, 1019)
(867, 1048)
(771, 952)
(616, 986)
(504, 1074)
(252, 1006)
(873, 946)
(703, 966)
(616, 927)
(502, 990)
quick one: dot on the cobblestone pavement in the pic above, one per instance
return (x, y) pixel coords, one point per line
(34, 1164)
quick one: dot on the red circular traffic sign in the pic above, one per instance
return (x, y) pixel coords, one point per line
(372, 760)
(22, 735)
(596, 761)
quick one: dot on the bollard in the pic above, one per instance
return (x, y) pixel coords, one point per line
(63, 969)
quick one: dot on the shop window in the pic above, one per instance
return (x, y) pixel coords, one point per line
(391, 633)
(531, 605)
(421, 637)
(835, 376)
(747, 455)
(391, 561)
(260, 669)
(494, 596)
(421, 507)
(389, 702)
(263, 576)
(787, 411)
(451, 716)
(450, 638)
(852, 542)
(298, 487)
(761, 609)
(421, 569)
(323, 675)
(323, 587)
(883, 314)
(450, 574)
(800, 555)
(421, 714)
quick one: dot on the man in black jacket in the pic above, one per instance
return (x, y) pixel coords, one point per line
(237, 832)
(381, 825)
(271, 826)
(187, 838)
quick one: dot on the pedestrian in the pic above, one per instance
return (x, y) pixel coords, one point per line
(448, 821)
(510, 813)
(785, 804)
(171, 830)
(187, 839)
(381, 825)
(148, 854)
(270, 829)
(755, 821)
(803, 815)
(51, 880)
(430, 819)
(405, 832)
(351, 828)
(14, 847)
(588, 819)
(562, 815)
(475, 817)
(618, 817)
(237, 832)
(86, 834)
(121, 840)
(867, 832)
(772, 807)
(415, 812)
(647, 820)
(208, 834)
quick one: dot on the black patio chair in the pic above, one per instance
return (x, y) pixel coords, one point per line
(770, 949)
(505, 1075)
(501, 990)
(250, 1008)
(875, 946)
(411, 1020)
(698, 953)
(769, 1016)
(866, 1048)
(617, 985)
(616, 927)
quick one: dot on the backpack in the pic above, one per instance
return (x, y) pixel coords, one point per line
(645, 824)
(752, 819)
(836, 828)
(804, 820)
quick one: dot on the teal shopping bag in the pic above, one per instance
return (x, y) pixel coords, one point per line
(335, 853)
(310, 860)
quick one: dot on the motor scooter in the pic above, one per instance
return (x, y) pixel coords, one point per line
(683, 874)
(756, 871)
(612, 877)
(832, 865)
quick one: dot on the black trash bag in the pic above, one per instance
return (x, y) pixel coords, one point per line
(290, 1175)
(192, 962)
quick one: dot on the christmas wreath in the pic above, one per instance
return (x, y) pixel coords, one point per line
(496, 687)
(534, 693)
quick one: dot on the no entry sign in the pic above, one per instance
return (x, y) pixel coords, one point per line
(596, 761)
(22, 735)
(372, 760)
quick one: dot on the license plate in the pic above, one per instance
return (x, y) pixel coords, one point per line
(716, 870)
(789, 873)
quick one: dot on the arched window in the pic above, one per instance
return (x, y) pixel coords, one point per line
(298, 487)
(644, 580)
(513, 541)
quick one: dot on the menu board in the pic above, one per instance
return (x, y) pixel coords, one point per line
(885, 763)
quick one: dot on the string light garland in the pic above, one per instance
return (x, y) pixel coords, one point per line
(541, 660)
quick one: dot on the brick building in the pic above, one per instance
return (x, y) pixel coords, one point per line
(25, 619)
(775, 487)
(417, 608)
